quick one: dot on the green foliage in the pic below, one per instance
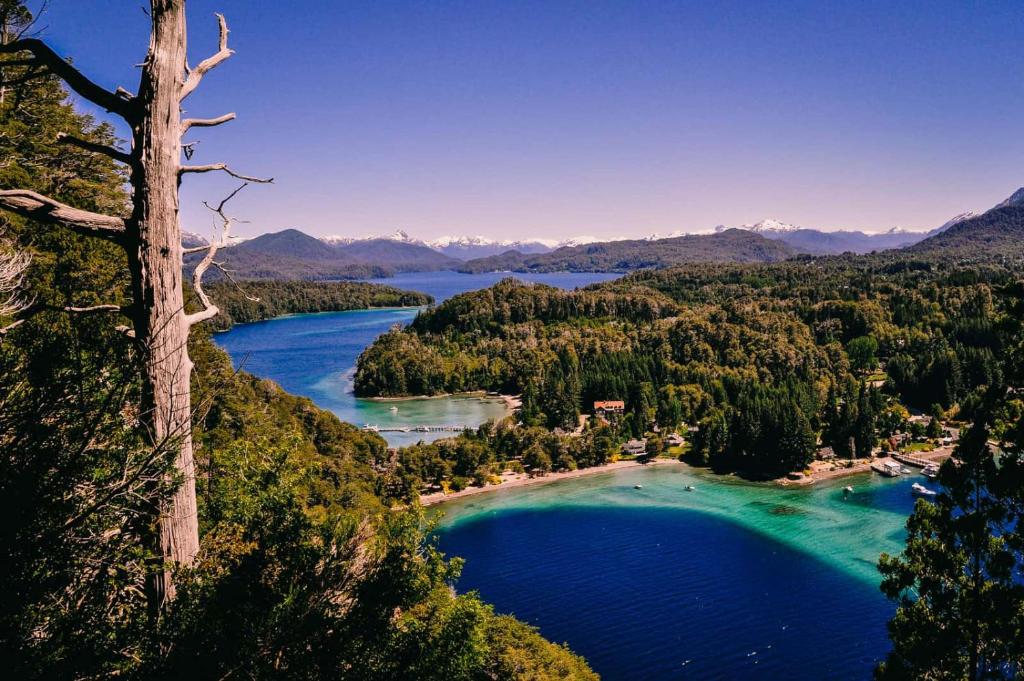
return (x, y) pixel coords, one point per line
(862, 353)
(958, 583)
(276, 298)
(961, 601)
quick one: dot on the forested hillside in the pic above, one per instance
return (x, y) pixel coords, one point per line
(763, 359)
(254, 301)
(311, 565)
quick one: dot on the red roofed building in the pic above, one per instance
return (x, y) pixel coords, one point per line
(603, 408)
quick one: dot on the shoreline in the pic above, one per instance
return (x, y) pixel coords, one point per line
(937, 455)
(286, 315)
(518, 480)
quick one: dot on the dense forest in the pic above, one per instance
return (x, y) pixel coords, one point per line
(311, 563)
(764, 360)
(254, 301)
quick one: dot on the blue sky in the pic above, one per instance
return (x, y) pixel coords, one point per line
(552, 119)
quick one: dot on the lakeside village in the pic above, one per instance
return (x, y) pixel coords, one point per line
(915, 441)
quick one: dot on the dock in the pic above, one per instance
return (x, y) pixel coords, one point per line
(369, 427)
(911, 460)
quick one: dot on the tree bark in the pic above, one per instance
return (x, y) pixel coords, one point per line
(154, 257)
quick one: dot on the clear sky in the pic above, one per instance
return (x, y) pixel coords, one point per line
(518, 118)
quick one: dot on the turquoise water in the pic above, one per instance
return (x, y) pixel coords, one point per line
(315, 355)
(731, 580)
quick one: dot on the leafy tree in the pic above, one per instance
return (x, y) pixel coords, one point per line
(862, 352)
(957, 584)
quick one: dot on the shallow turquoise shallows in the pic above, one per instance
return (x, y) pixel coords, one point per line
(730, 580)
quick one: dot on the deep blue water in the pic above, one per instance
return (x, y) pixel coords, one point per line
(647, 593)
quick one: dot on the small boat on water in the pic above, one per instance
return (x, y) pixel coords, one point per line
(393, 409)
(638, 486)
(689, 488)
(919, 490)
(931, 471)
(847, 491)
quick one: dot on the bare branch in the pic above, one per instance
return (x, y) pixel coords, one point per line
(94, 308)
(38, 207)
(205, 66)
(13, 266)
(112, 152)
(75, 79)
(205, 122)
(234, 282)
(223, 166)
(209, 309)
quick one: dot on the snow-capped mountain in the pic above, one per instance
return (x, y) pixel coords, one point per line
(469, 247)
(820, 242)
(193, 240)
(770, 225)
(399, 235)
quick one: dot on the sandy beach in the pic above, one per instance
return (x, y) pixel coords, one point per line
(514, 480)
(826, 470)
(820, 472)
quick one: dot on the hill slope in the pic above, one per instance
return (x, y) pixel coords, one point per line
(397, 255)
(731, 245)
(998, 233)
(289, 254)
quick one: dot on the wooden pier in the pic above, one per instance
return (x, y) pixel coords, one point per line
(369, 427)
(911, 460)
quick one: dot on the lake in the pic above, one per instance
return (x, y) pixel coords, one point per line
(730, 581)
(314, 355)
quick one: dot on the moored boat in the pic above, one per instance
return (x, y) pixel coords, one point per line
(930, 471)
(919, 490)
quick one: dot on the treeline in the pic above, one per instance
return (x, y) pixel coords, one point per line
(254, 301)
(764, 360)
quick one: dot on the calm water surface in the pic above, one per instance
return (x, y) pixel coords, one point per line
(315, 354)
(730, 581)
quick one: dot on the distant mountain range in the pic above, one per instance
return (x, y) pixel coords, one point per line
(731, 245)
(292, 254)
(818, 242)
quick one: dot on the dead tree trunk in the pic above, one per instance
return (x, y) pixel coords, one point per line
(154, 257)
(151, 238)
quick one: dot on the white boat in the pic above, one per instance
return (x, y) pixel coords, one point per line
(889, 469)
(919, 490)
(393, 409)
(847, 491)
(689, 488)
(930, 471)
(638, 486)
